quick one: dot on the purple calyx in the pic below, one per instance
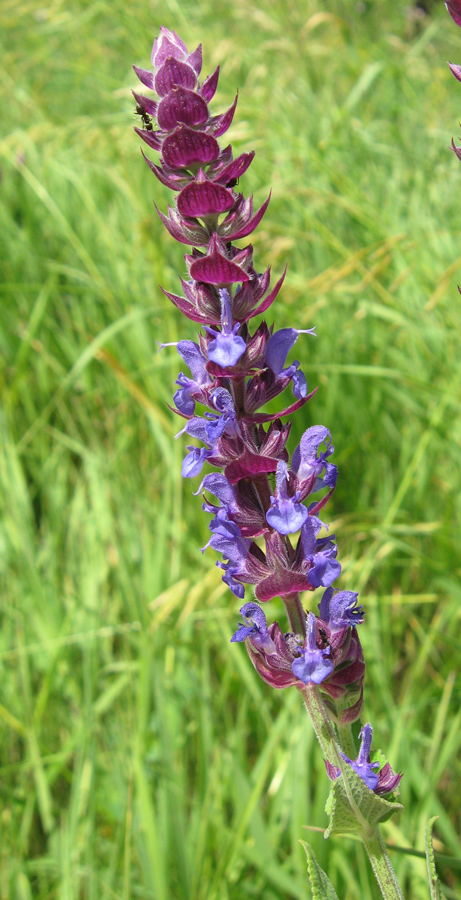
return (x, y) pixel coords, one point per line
(167, 44)
(174, 74)
(181, 106)
(215, 266)
(454, 8)
(203, 197)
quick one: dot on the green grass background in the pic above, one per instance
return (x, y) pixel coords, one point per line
(140, 756)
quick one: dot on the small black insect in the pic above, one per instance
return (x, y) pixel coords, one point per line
(324, 636)
(425, 6)
(232, 183)
(146, 120)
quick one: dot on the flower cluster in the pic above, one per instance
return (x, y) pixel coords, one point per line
(264, 506)
(329, 654)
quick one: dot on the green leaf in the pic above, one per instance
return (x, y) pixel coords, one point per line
(369, 808)
(434, 883)
(379, 756)
(322, 888)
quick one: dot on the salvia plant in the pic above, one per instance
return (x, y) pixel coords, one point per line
(265, 504)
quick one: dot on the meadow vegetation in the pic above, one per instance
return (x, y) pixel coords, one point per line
(140, 756)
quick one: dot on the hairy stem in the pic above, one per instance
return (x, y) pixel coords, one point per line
(382, 867)
(328, 741)
(321, 723)
(262, 488)
(331, 749)
(238, 393)
(347, 741)
(296, 614)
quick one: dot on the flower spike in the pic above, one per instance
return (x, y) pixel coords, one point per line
(264, 506)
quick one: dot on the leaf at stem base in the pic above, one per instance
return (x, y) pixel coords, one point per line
(374, 809)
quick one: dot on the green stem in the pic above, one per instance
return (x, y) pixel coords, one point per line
(296, 614)
(329, 743)
(382, 867)
(238, 394)
(321, 723)
(331, 749)
(347, 741)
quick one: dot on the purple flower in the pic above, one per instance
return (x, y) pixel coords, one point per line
(342, 650)
(227, 539)
(192, 464)
(286, 514)
(208, 428)
(229, 578)
(278, 347)
(182, 398)
(234, 372)
(326, 567)
(220, 487)
(257, 630)
(211, 426)
(194, 358)
(381, 783)
(225, 419)
(320, 553)
(225, 535)
(313, 666)
(362, 764)
(340, 610)
(196, 361)
(306, 463)
(227, 347)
